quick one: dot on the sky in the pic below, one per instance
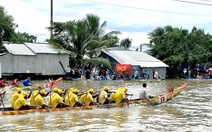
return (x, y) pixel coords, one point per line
(135, 19)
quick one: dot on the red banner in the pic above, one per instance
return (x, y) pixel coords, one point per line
(123, 67)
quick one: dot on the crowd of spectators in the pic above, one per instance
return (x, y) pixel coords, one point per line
(101, 73)
(201, 71)
(91, 72)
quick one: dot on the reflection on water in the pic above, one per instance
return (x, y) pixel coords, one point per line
(189, 111)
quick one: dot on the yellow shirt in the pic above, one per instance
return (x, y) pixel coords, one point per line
(52, 96)
(82, 98)
(119, 96)
(32, 98)
(113, 96)
(39, 101)
(73, 99)
(56, 100)
(102, 97)
(14, 98)
(68, 98)
(86, 99)
(20, 102)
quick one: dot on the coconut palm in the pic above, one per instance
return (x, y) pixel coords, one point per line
(84, 37)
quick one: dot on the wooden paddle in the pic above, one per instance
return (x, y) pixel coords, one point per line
(2, 98)
(50, 92)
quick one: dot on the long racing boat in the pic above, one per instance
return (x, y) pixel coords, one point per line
(153, 101)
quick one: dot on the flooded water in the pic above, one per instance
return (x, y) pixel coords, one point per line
(189, 111)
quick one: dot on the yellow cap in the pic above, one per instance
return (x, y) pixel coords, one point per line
(91, 90)
(106, 88)
(125, 89)
(60, 91)
(71, 89)
(120, 88)
(55, 89)
(75, 91)
(36, 91)
(18, 89)
(43, 92)
(24, 94)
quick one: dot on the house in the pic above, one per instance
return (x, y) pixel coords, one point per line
(139, 61)
(33, 58)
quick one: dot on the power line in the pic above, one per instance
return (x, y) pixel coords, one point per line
(153, 10)
(191, 2)
(207, 0)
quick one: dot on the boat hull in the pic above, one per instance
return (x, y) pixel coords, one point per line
(154, 101)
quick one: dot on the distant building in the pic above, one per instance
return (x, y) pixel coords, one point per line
(138, 60)
(32, 58)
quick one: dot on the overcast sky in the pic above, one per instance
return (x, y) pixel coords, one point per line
(134, 18)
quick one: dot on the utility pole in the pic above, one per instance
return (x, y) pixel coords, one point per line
(51, 17)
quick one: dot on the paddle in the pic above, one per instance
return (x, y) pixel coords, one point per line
(2, 98)
(50, 91)
(64, 93)
(69, 99)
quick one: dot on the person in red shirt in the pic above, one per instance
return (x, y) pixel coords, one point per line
(15, 83)
(3, 83)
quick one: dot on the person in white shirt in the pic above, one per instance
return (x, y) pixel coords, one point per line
(144, 94)
(136, 74)
(103, 97)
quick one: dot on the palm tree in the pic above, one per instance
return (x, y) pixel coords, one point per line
(84, 37)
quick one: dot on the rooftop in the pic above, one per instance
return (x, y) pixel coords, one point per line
(30, 49)
(134, 58)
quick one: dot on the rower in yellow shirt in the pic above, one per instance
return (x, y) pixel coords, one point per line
(55, 90)
(74, 99)
(39, 100)
(57, 101)
(125, 91)
(103, 97)
(127, 94)
(119, 97)
(87, 98)
(21, 103)
(15, 96)
(112, 97)
(32, 98)
(68, 97)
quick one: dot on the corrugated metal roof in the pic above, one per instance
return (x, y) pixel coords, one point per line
(42, 48)
(18, 49)
(135, 58)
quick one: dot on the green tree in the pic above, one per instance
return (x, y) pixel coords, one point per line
(23, 37)
(85, 37)
(177, 46)
(126, 43)
(7, 31)
(7, 27)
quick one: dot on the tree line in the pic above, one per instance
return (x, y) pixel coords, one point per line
(177, 47)
(7, 31)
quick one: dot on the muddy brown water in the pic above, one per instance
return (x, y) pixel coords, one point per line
(189, 111)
